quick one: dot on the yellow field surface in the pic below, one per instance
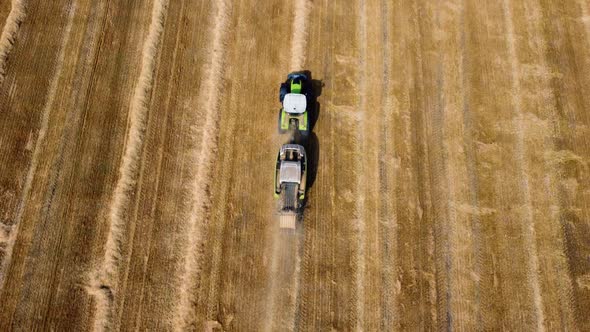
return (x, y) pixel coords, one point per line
(449, 186)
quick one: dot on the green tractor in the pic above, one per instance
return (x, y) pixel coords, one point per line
(296, 96)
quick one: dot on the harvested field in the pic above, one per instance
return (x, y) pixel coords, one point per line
(449, 185)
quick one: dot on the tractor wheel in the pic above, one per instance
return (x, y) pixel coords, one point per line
(307, 125)
(304, 134)
(281, 130)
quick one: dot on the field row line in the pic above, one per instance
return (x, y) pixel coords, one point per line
(10, 31)
(523, 170)
(104, 282)
(203, 156)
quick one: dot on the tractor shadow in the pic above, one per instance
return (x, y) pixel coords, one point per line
(315, 107)
(311, 142)
(312, 149)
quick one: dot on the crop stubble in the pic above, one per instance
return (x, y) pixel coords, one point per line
(59, 239)
(452, 188)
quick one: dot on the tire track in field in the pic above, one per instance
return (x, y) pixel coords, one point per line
(10, 31)
(377, 293)
(566, 55)
(471, 165)
(461, 246)
(203, 157)
(329, 268)
(564, 287)
(160, 156)
(433, 184)
(284, 269)
(361, 185)
(295, 281)
(523, 170)
(104, 284)
(12, 233)
(387, 215)
(443, 215)
(299, 39)
(418, 214)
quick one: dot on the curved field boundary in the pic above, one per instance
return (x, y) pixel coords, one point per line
(104, 284)
(9, 33)
(203, 156)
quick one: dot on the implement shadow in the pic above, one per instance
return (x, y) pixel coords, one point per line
(312, 149)
(314, 114)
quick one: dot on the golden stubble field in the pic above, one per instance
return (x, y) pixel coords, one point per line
(451, 186)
